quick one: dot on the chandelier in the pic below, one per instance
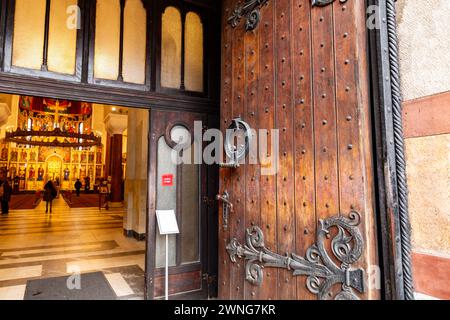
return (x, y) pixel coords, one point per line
(54, 138)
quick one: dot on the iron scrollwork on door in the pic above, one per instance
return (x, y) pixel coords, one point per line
(320, 268)
(251, 10)
(322, 3)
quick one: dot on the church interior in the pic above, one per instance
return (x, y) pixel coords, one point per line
(45, 139)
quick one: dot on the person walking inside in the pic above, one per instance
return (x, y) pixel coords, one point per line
(78, 186)
(49, 195)
(5, 196)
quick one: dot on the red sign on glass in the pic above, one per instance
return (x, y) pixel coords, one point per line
(167, 180)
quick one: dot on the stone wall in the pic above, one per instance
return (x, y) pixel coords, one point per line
(424, 43)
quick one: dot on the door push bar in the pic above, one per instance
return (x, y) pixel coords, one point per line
(237, 152)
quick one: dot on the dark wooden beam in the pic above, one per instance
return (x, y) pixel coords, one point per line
(26, 85)
(44, 66)
(3, 5)
(122, 18)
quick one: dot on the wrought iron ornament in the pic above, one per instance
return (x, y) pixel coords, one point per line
(320, 268)
(251, 11)
(322, 3)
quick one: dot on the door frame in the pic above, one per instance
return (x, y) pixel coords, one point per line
(392, 192)
(394, 229)
(208, 214)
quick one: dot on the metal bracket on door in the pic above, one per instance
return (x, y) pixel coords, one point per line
(250, 9)
(322, 3)
(320, 268)
(227, 208)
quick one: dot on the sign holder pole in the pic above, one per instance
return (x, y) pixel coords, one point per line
(167, 267)
(167, 224)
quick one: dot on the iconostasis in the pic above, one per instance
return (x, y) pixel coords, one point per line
(46, 153)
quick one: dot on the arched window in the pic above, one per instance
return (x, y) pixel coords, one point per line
(193, 65)
(171, 48)
(44, 35)
(107, 39)
(182, 50)
(120, 41)
(134, 42)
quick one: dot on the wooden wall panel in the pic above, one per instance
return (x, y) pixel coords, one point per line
(302, 71)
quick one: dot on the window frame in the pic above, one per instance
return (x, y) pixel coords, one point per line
(184, 8)
(51, 84)
(148, 51)
(10, 9)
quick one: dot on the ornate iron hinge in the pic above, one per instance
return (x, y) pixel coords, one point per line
(251, 10)
(321, 270)
(322, 3)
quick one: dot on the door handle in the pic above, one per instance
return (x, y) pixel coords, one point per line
(227, 208)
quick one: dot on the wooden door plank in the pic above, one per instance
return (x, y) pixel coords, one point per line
(266, 120)
(353, 118)
(284, 122)
(252, 213)
(304, 138)
(327, 199)
(238, 181)
(224, 283)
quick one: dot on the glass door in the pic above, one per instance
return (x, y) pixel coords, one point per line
(177, 183)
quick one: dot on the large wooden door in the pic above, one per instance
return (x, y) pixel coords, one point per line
(309, 231)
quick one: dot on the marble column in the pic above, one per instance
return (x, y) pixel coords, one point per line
(136, 183)
(116, 124)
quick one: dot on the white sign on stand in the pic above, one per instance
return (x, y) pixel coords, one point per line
(167, 224)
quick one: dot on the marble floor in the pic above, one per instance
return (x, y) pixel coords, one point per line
(35, 245)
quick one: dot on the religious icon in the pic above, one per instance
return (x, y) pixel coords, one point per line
(83, 157)
(4, 155)
(40, 174)
(91, 157)
(26, 102)
(66, 174)
(31, 173)
(99, 156)
(75, 157)
(22, 172)
(13, 171)
(74, 172)
(83, 172)
(23, 156)
(33, 156)
(14, 155)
